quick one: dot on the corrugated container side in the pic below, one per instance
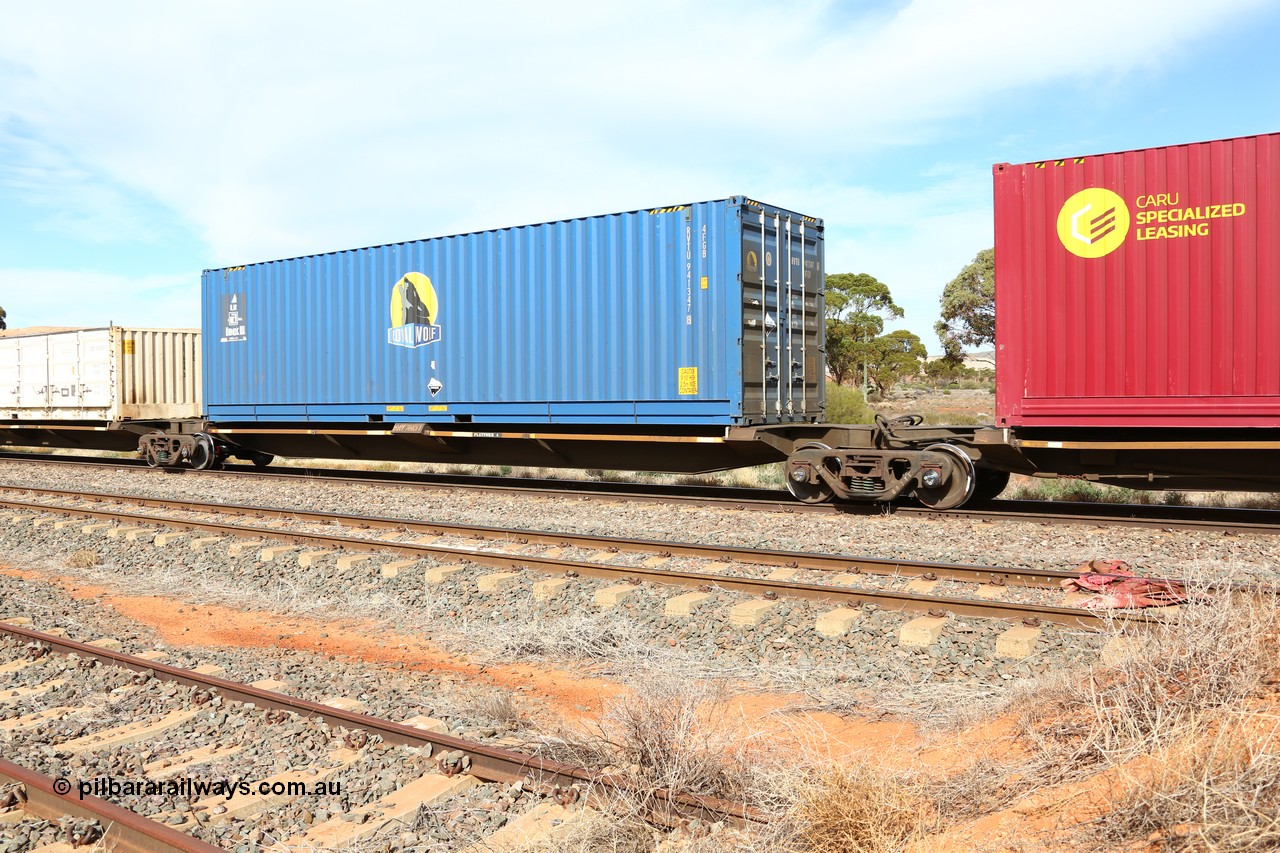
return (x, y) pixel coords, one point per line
(627, 318)
(159, 373)
(101, 375)
(1140, 288)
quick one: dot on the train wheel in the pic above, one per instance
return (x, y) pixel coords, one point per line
(203, 454)
(261, 460)
(990, 485)
(149, 456)
(803, 490)
(958, 488)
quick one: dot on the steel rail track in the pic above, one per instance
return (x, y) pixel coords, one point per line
(123, 830)
(1208, 519)
(815, 561)
(488, 763)
(765, 587)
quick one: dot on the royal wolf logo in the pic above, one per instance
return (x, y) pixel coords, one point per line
(414, 308)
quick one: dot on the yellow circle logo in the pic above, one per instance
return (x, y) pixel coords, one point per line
(1093, 223)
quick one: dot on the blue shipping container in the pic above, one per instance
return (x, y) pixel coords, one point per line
(699, 314)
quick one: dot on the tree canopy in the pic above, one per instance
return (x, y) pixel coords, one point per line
(969, 306)
(857, 306)
(850, 294)
(894, 356)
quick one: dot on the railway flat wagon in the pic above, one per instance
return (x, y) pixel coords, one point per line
(637, 340)
(1138, 314)
(96, 388)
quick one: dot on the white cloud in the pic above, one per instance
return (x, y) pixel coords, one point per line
(265, 124)
(79, 298)
(274, 129)
(72, 200)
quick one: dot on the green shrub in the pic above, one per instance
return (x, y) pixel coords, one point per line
(846, 406)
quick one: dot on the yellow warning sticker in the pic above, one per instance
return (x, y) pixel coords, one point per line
(395, 408)
(703, 283)
(126, 347)
(437, 408)
(688, 380)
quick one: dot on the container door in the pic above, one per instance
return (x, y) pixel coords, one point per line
(64, 375)
(782, 288)
(10, 374)
(33, 364)
(94, 374)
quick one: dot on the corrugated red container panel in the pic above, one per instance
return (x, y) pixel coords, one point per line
(1140, 288)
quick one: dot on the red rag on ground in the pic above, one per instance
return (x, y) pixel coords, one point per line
(1121, 589)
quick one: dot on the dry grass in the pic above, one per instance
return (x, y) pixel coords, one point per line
(583, 637)
(1219, 790)
(501, 707)
(1180, 722)
(664, 733)
(1209, 660)
(985, 786)
(1083, 491)
(83, 559)
(674, 733)
(858, 810)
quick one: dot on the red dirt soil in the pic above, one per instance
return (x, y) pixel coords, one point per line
(1033, 823)
(569, 695)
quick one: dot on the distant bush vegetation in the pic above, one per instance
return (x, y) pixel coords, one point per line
(846, 406)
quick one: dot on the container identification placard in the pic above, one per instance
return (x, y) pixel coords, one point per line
(234, 327)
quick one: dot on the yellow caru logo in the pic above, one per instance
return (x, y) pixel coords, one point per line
(1093, 222)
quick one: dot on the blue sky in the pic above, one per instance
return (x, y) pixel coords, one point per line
(141, 142)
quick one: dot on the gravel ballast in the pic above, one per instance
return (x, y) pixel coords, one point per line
(1014, 544)
(783, 650)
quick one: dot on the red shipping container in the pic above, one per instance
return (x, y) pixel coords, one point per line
(1140, 289)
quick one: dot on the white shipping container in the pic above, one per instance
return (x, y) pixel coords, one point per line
(106, 374)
